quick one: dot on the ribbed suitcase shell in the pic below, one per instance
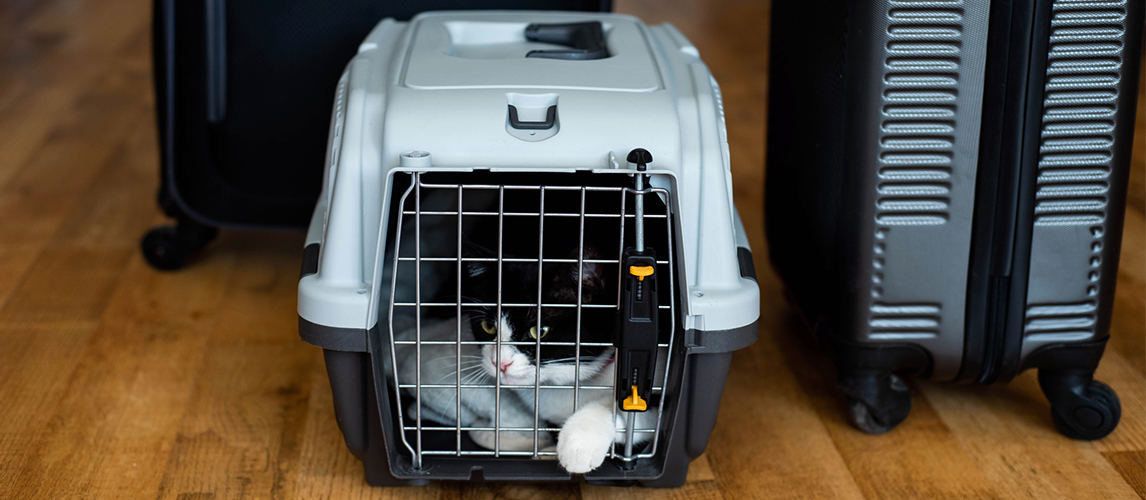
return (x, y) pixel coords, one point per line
(946, 182)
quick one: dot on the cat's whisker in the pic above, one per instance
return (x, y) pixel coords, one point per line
(453, 374)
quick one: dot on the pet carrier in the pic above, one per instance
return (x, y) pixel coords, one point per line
(946, 190)
(525, 260)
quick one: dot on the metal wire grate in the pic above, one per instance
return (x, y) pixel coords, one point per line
(452, 202)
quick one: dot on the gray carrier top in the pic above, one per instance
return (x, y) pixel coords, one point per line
(456, 92)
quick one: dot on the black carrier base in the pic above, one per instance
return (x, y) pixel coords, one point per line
(356, 408)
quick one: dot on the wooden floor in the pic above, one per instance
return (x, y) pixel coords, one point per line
(120, 382)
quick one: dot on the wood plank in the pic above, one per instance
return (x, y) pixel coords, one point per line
(36, 364)
(79, 149)
(67, 72)
(242, 431)
(15, 259)
(66, 285)
(1007, 431)
(242, 424)
(1132, 466)
(38, 199)
(115, 424)
(263, 294)
(115, 211)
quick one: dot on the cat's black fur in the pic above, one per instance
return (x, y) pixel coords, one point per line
(558, 286)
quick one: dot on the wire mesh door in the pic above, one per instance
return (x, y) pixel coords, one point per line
(486, 272)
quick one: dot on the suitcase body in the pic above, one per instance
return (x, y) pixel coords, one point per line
(242, 107)
(946, 187)
(434, 115)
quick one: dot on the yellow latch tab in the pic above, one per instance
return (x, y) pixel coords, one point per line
(634, 402)
(641, 271)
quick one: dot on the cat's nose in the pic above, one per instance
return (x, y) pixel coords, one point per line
(505, 365)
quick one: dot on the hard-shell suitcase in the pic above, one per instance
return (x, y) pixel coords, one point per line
(526, 130)
(945, 191)
(241, 100)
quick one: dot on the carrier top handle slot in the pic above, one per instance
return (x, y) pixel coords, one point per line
(637, 333)
(586, 39)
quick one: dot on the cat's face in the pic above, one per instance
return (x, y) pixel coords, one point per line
(518, 364)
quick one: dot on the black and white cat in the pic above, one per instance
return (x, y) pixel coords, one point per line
(587, 432)
(440, 367)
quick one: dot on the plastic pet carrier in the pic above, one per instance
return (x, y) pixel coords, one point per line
(525, 263)
(946, 190)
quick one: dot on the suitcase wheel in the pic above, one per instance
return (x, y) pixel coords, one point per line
(1087, 414)
(167, 248)
(876, 403)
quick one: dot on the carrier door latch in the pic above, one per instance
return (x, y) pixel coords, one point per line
(637, 333)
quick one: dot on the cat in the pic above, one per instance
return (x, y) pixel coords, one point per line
(439, 405)
(589, 431)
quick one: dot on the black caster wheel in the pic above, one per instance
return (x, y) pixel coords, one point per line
(167, 248)
(1092, 415)
(876, 403)
(160, 247)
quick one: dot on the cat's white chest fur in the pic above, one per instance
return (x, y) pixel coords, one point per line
(587, 431)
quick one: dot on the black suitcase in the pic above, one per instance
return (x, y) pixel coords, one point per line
(243, 105)
(946, 188)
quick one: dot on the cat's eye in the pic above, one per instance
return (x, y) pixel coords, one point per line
(488, 326)
(533, 331)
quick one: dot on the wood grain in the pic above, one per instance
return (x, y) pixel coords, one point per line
(120, 382)
(1132, 466)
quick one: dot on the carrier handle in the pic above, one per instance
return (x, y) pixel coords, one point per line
(550, 120)
(587, 40)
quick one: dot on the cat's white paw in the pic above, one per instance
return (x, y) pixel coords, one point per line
(584, 440)
(579, 455)
(483, 439)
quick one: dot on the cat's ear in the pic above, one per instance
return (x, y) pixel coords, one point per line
(472, 249)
